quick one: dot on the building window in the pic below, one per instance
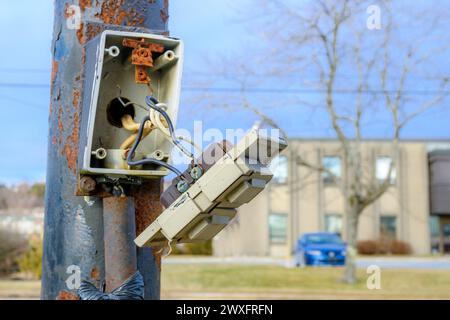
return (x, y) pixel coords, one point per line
(388, 227)
(333, 166)
(434, 226)
(382, 169)
(435, 233)
(277, 228)
(333, 223)
(279, 168)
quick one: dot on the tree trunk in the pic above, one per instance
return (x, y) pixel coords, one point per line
(352, 230)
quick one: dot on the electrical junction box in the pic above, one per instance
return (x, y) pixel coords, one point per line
(210, 203)
(122, 68)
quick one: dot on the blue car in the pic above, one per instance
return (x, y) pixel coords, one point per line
(320, 249)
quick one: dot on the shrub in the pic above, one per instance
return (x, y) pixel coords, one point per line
(367, 247)
(203, 248)
(400, 247)
(384, 245)
(31, 261)
(12, 246)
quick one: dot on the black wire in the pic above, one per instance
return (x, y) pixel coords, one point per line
(148, 160)
(152, 103)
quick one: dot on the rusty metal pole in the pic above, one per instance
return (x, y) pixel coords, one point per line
(119, 232)
(73, 227)
(148, 207)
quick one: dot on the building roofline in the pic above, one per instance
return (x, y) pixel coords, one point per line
(326, 139)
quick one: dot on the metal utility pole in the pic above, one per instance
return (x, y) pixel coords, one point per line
(74, 234)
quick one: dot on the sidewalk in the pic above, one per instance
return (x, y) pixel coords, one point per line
(394, 262)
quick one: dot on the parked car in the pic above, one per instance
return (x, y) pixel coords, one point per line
(320, 249)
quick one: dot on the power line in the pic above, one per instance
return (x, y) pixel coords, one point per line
(263, 90)
(312, 91)
(23, 102)
(24, 70)
(23, 85)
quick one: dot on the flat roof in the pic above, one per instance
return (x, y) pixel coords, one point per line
(424, 140)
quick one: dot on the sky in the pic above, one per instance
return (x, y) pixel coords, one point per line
(209, 29)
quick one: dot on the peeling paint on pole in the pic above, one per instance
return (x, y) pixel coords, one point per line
(73, 229)
(148, 207)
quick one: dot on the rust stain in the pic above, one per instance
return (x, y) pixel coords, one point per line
(121, 17)
(83, 56)
(76, 98)
(95, 273)
(93, 30)
(111, 12)
(80, 34)
(71, 146)
(141, 57)
(164, 13)
(55, 67)
(60, 122)
(85, 4)
(68, 13)
(65, 295)
(148, 208)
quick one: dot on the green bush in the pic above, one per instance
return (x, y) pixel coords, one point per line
(38, 189)
(12, 246)
(30, 262)
(203, 248)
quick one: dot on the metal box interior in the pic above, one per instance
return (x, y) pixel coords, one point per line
(111, 77)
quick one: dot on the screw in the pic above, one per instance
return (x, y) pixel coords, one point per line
(182, 186)
(196, 173)
(87, 184)
(118, 191)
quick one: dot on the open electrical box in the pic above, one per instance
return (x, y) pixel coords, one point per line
(122, 68)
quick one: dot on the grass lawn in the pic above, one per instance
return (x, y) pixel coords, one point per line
(19, 289)
(272, 282)
(233, 281)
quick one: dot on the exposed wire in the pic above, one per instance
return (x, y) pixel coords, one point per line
(191, 142)
(157, 106)
(119, 97)
(169, 251)
(156, 120)
(147, 160)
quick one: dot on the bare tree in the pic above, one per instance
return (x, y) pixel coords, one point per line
(362, 70)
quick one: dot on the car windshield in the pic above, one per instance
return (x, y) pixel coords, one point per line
(323, 239)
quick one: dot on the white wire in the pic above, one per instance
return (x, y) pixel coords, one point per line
(169, 243)
(156, 120)
(170, 250)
